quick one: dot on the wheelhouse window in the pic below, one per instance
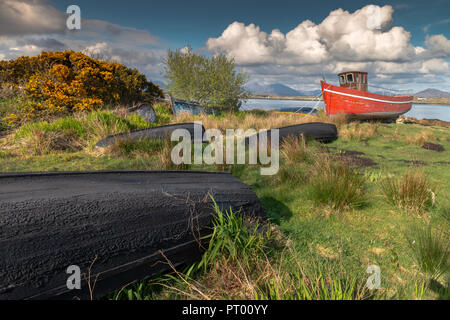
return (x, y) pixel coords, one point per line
(341, 79)
(350, 78)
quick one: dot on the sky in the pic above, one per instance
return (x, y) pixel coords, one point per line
(402, 44)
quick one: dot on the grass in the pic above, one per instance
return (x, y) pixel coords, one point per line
(421, 138)
(245, 260)
(130, 148)
(411, 192)
(312, 252)
(430, 249)
(336, 184)
(231, 236)
(71, 133)
(359, 131)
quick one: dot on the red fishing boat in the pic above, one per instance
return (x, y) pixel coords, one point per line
(353, 99)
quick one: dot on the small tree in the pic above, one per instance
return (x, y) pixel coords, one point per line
(211, 81)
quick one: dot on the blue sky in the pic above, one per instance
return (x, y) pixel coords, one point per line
(192, 22)
(289, 42)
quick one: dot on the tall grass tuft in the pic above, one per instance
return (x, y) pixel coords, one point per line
(232, 236)
(359, 131)
(295, 154)
(295, 150)
(421, 138)
(411, 192)
(335, 184)
(290, 174)
(130, 148)
(430, 250)
(164, 157)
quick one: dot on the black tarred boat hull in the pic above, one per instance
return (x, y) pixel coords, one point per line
(160, 132)
(320, 131)
(116, 221)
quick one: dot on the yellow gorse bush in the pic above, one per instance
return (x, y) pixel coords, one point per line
(66, 81)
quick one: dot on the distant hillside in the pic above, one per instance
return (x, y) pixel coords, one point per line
(432, 93)
(275, 89)
(278, 89)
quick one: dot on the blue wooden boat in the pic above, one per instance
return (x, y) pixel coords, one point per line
(183, 106)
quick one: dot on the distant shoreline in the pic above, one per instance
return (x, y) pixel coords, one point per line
(435, 101)
(301, 98)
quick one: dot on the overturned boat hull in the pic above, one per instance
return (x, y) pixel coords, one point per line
(121, 226)
(320, 131)
(160, 132)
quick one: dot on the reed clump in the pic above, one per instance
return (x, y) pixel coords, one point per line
(295, 150)
(412, 192)
(359, 131)
(421, 138)
(334, 183)
(430, 249)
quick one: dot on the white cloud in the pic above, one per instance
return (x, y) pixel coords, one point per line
(148, 61)
(439, 45)
(363, 35)
(99, 29)
(25, 17)
(364, 40)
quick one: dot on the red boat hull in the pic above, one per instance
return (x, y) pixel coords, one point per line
(363, 105)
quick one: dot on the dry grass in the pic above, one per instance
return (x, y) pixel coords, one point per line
(412, 192)
(164, 156)
(42, 142)
(359, 131)
(295, 150)
(339, 119)
(234, 279)
(9, 92)
(132, 149)
(121, 111)
(420, 139)
(246, 121)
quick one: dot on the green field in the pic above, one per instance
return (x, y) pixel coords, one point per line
(318, 247)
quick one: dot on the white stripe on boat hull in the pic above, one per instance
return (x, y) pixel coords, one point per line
(367, 98)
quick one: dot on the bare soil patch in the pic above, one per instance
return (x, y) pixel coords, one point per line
(433, 146)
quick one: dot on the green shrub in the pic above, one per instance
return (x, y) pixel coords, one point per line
(212, 81)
